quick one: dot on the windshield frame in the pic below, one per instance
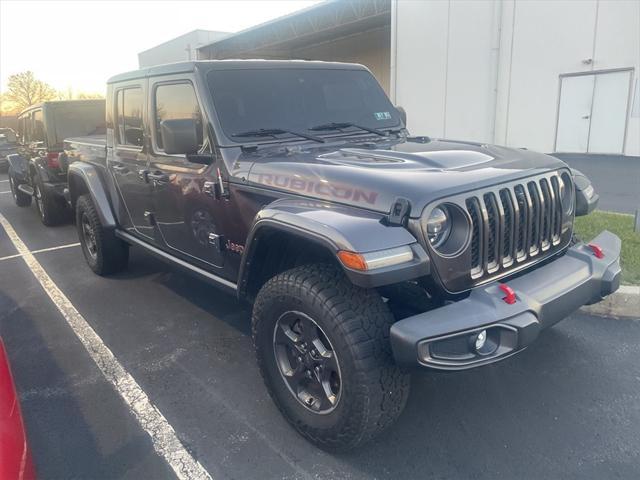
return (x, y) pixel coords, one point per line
(225, 138)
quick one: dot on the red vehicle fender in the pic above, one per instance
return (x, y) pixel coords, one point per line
(15, 455)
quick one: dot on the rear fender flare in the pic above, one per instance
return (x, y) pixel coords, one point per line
(84, 177)
(19, 165)
(37, 165)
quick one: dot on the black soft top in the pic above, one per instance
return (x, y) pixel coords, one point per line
(54, 103)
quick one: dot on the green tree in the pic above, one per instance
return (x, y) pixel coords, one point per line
(24, 90)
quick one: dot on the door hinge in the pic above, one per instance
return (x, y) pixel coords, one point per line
(150, 218)
(215, 190)
(215, 241)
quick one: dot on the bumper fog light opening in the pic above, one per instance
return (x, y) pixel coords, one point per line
(480, 340)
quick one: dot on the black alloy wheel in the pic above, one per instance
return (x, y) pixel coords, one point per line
(307, 362)
(89, 236)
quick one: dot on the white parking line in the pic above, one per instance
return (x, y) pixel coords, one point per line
(50, 249)
(8, 191)
(163, 436)
(4, 180)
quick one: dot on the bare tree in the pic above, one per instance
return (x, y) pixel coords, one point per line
(24, 90)
(90, 95)
(69, 94)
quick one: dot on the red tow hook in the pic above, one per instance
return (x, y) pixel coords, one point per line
(510, 297)
(597, 250)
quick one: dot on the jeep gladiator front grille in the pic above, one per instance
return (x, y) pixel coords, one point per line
(514, 224)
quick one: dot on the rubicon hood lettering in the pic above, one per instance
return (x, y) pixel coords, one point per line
(320, 188)
(373, 178)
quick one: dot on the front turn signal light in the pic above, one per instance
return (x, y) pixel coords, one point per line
(377, 259)
(352, 260)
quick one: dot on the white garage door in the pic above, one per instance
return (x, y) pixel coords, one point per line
(593, 112)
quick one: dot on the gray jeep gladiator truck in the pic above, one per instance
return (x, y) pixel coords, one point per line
(365, 251)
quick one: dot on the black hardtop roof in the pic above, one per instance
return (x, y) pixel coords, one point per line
(185, 67)
(62, 102)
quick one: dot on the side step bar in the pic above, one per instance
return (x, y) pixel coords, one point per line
(24, 188)
(185, 266)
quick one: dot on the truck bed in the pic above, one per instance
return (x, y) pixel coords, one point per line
(91, 149)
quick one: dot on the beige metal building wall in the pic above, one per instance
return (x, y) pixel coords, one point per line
(549, 76)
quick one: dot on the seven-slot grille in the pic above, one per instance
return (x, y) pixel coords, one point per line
(514, 224)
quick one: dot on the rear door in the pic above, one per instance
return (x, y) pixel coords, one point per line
(187, 216)
(129, 160)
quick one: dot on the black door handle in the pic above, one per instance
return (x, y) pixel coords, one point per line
(119, 168)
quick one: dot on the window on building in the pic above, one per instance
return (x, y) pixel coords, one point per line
(177, 101)
(129, 114)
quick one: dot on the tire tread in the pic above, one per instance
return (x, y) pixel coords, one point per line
(363, 319)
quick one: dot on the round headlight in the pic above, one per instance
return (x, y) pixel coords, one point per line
(438, 226)
(566, 193)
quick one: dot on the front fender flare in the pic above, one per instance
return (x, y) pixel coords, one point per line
(336, 228)
(88, 176)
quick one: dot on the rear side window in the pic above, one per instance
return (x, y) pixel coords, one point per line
(176, 101)
(22, 129)
(129, 114)
(38, 127)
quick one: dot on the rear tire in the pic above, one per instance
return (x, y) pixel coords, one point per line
(20, 198)
(104, 252)
(51, 209)
(366, 391)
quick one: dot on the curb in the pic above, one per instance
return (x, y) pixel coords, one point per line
(624, 303)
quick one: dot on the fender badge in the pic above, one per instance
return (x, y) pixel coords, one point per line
(234, 247)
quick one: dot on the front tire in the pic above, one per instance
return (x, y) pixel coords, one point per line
(21, 199)
(310, 317)
(104, 252)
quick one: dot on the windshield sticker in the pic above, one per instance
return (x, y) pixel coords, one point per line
(382, 115)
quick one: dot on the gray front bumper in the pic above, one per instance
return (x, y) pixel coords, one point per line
(443, 338)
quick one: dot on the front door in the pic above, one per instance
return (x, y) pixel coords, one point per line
(186, 214)
(128, 162)
(592, 115)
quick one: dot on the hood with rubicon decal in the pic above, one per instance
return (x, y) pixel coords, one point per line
(419, 170)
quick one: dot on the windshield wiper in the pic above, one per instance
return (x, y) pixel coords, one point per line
(272, 132)
(343, 125)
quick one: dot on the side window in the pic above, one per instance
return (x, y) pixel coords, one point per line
(37, 134)
(176, 101)
(21, 129)
(129, 114)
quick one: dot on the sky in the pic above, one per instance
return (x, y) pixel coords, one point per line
(79, 44)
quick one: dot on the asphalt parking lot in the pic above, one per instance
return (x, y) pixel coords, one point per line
(615, 177)
(568, 407)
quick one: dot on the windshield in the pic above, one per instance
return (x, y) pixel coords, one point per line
(298, 100)
(78, 120)
(3, 141)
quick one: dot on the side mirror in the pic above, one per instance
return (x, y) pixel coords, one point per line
(403, 114)
(179, 136)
